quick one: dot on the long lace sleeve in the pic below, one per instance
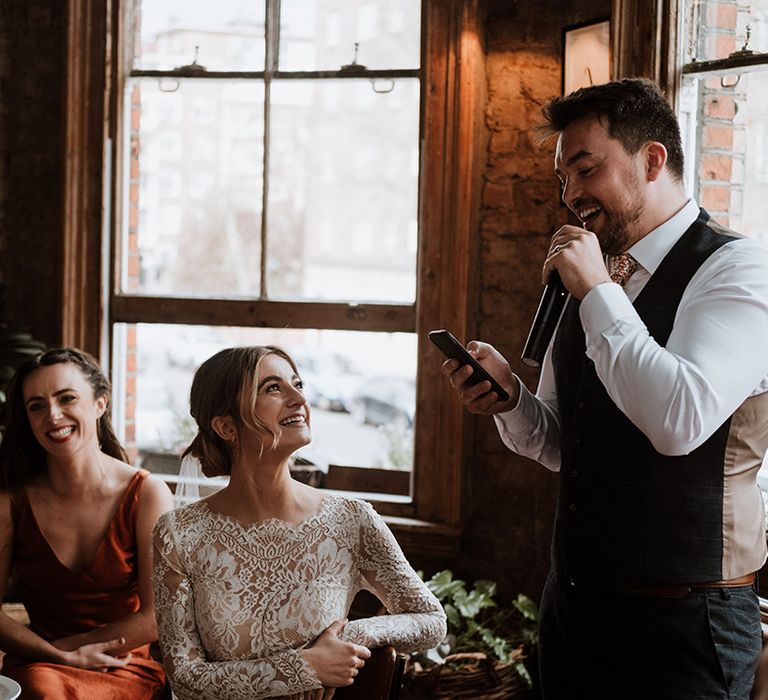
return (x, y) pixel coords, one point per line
(193, 676)
(416, 620)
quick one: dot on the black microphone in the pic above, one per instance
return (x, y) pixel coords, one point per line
(544, 323)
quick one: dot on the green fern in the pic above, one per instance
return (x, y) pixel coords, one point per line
(476, 623)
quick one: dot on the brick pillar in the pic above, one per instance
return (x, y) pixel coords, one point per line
(720, 167)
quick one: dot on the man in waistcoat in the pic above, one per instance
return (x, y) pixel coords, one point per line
(653, 406)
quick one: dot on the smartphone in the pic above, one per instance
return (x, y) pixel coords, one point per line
(453, 349)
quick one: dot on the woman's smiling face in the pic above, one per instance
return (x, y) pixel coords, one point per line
(62, 409)
(281, 405)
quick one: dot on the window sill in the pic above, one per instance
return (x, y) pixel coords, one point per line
(422, 538)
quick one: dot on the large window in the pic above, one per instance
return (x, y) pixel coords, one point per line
(300, 173)
(271, 158)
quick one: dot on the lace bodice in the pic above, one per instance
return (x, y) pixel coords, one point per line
(235, 604)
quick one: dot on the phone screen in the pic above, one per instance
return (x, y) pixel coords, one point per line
(452, 348)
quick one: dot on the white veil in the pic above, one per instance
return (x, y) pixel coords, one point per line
(190, 478)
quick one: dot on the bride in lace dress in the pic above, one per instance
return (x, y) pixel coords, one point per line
(253, 584)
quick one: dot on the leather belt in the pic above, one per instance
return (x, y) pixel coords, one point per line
(665, 590)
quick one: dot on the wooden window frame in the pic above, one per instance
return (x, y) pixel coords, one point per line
(261, 311)
(450, 141)
(644, 42)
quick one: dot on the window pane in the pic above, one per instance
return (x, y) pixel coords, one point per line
(360, 387)
(194, 174)
(322, 35)
(725, 132)
(227, 34)
(717, 28)
(343, 190)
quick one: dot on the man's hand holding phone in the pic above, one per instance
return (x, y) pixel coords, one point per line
(492, 389)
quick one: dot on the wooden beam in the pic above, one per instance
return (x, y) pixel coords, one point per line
(645, 40)
(452, 91)
(84, 117)
(264, 313)
(735, 63)
(368, 479)
(192, 74)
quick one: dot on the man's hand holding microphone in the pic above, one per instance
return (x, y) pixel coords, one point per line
(574, 265)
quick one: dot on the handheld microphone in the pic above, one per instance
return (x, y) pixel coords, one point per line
(544, 323)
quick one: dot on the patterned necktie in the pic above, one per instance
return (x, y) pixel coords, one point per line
(621, 267)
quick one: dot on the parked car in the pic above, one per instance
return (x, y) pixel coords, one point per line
(386, 400)
(330, 379)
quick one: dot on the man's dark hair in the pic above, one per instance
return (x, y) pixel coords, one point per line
(635, 112)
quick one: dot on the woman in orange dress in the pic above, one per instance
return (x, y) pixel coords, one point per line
(75, 527)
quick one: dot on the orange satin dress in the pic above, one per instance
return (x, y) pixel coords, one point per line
(61, 602)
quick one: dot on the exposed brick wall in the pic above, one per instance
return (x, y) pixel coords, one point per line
(512, 499)
(31, 154)
(720, 166)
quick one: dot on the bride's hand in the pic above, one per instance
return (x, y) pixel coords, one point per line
(335, 662)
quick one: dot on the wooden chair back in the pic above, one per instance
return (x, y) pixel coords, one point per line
(379, 679)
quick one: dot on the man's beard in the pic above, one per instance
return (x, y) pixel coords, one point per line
(616, 235)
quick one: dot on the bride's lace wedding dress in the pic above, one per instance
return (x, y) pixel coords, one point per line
(235, 604)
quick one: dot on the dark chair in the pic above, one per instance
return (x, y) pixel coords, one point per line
(379, 679)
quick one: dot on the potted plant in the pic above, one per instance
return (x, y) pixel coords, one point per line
(483, 655)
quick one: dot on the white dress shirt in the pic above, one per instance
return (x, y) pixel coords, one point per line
(677, 395)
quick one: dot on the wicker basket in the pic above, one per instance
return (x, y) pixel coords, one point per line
(478, 678)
